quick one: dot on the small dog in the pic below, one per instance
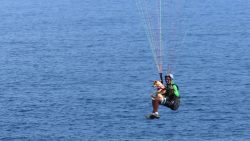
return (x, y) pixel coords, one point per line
(160, 88)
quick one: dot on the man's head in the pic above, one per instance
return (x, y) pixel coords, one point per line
(169, 77)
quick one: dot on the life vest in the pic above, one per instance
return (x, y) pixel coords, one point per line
(173, 101)
(168, 93)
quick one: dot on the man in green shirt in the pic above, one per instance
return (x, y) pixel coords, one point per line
(170, 99)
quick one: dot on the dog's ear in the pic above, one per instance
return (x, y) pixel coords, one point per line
(154, 84)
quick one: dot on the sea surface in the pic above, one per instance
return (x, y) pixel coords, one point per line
(83, 70)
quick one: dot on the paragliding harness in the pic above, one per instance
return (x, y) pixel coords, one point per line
(172, 101)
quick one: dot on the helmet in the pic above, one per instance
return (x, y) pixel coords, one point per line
(170, 75)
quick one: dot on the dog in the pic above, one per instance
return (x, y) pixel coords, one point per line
(160, 88)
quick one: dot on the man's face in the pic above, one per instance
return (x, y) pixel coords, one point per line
(168, 79)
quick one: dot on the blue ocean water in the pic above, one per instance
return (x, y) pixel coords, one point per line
(83, 70)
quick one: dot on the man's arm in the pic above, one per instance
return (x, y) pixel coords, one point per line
(176, 92)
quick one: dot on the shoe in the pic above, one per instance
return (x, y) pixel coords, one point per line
(153, 116)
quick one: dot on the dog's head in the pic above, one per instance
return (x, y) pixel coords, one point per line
(158, 84)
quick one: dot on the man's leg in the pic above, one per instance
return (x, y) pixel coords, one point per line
(156, 103)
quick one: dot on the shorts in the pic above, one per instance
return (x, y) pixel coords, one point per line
(173, 104)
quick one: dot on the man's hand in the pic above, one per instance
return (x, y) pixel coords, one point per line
(171, 87)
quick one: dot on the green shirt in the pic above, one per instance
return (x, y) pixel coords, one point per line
(176, 91)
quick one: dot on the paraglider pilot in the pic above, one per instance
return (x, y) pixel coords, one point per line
(167, 95)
